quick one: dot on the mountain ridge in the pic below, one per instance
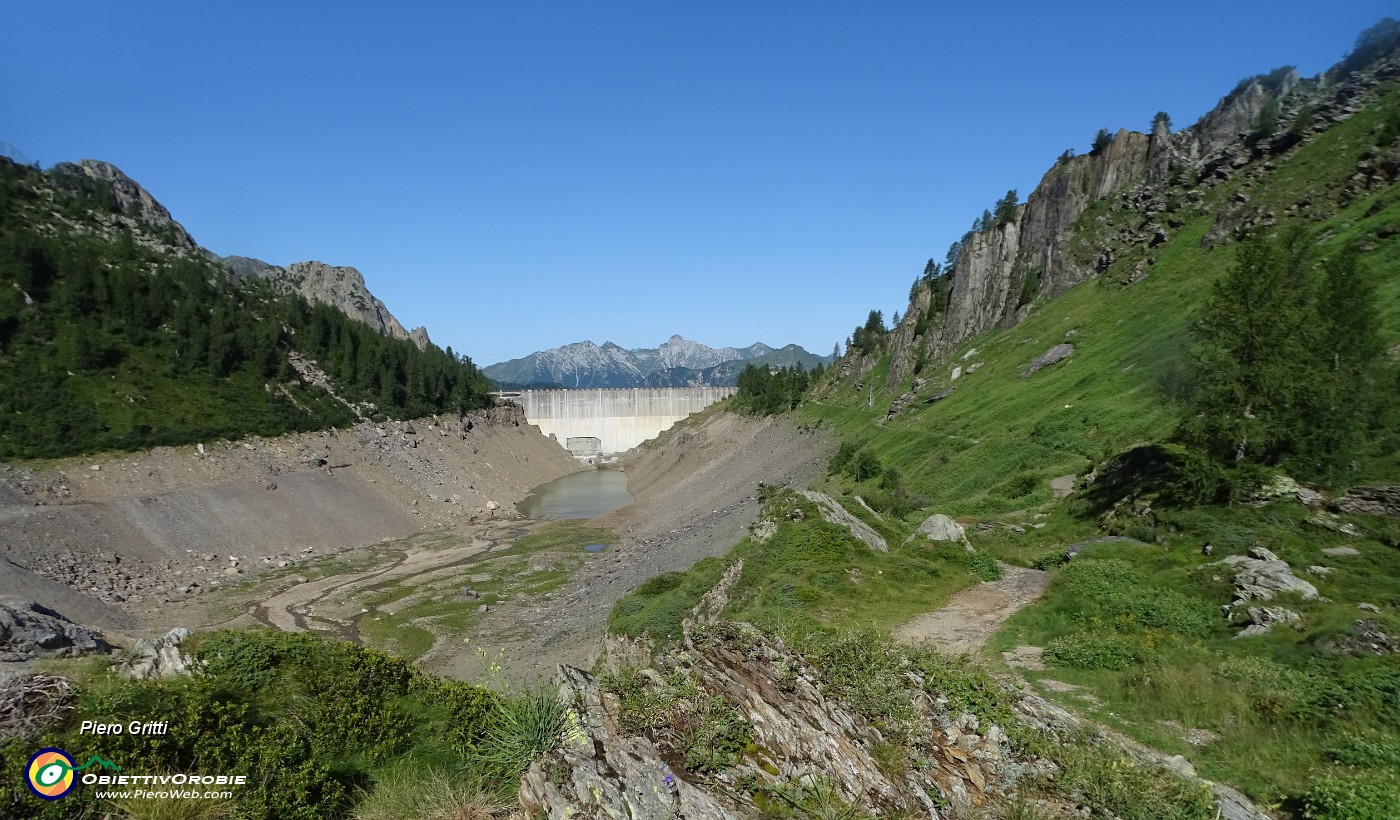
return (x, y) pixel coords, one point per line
(676, 362)
(342, 287)
(999, 271)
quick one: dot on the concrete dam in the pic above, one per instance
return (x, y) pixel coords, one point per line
(604, 422)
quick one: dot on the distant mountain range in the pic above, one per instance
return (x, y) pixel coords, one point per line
(676, 362)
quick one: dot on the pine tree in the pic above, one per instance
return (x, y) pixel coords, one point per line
(1254, 355)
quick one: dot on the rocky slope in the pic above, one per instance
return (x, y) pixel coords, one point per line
(694, 487)
(1059, 236)
(676, 362)
(340, 287)
(113, 540)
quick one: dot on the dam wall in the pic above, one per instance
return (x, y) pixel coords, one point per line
(619, 418)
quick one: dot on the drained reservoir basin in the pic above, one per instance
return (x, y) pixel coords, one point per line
(578, 495)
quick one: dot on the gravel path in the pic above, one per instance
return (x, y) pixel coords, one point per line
(968, 620)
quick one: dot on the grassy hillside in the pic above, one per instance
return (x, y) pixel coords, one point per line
(111, 337)
(1304, 718)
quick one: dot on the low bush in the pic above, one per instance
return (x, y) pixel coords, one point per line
(311, 721)
(1364, 795)
(1095, 650)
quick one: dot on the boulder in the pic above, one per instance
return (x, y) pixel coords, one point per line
(1263, 618)
(940, 395)
(939, 527)
(29, 629)
(1054, 355)
(1261, 579)
(1337, 552)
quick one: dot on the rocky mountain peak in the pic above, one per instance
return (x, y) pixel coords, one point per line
(132, 200)
(676, 362)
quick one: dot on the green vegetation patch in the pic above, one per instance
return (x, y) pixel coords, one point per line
(316, 725)
(808, 573)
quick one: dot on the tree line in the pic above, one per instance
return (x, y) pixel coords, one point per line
(767, 392)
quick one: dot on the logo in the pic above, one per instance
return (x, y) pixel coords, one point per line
(50, 774)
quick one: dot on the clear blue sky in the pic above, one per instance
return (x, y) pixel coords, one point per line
(519, 175)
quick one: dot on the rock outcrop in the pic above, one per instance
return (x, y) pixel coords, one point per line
(29, 630)
(1371, 501)
(154, 658)
(799, 740)
(130, 199)
(1046, 247)
(836, 514)
(340, 287)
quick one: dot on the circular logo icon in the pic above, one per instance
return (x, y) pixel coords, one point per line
(50, 774)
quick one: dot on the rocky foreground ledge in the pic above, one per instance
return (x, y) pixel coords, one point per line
(733, 722)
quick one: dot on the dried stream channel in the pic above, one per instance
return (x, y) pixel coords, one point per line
(578, 495)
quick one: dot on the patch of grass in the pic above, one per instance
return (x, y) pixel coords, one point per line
(1111, 782)
(316, 723)
(409, 791)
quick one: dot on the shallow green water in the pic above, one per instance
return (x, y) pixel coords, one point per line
(578, 495)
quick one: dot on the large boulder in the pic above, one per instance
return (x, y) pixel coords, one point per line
(1259, 579)
(939, 527)
(28, 630)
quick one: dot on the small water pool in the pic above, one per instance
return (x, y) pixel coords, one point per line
(578, 495)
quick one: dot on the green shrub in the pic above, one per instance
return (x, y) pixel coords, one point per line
(1367, 752)
(1366, 795)
(984, 565)
(665, 582)
(310, 720)
(1095, 650)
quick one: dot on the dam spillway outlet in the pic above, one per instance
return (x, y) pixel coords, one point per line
(608, 421)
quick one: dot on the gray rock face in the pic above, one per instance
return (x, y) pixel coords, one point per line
(340, 287)
(131, 199)
(1262, 619)
(609, 774)
(1054, 355)
(799, 734)
(1371, 501)
(29, 630)
(836, 514)
(1136, 170)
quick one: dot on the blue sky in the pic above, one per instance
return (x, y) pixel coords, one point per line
(520, 175)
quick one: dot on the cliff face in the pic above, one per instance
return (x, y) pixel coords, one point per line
(1048, 248)
(340, 287)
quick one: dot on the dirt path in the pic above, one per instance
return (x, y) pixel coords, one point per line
(970, 618)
